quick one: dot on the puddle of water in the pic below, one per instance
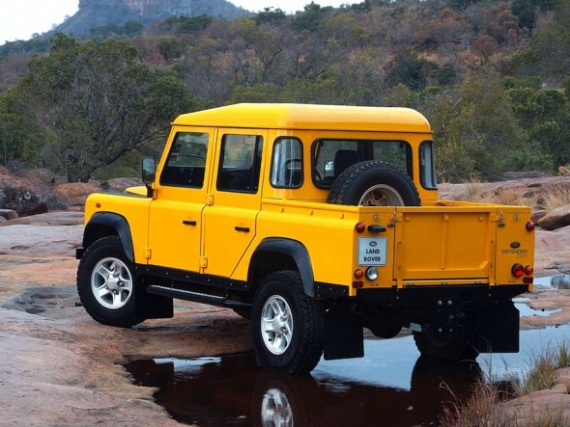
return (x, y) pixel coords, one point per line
(526, 311)
(233, 391)
(389, 386)
(561, 281)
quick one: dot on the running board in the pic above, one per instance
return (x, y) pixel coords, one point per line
(197, 297)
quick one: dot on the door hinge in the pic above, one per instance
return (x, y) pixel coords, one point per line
(210, 199)
(203, 261)
(147, 253)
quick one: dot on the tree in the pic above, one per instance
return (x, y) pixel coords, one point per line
(97, 102)
(549, 54)
(477, 131)
(545, 115)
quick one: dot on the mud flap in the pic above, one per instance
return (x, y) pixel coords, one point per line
(153, 306)
(498, 329)
(343, 335)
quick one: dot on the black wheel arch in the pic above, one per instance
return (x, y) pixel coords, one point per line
(103, 224)
(276, 254)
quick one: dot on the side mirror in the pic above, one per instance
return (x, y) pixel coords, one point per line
(148, 171)
(148, 174)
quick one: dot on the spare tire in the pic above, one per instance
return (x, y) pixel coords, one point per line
(374, 183)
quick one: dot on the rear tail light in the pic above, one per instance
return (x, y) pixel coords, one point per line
(528, 270)
(529, 226)
(517, 270)
(358, 274)
(360, 227)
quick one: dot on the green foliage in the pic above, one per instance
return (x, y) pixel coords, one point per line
(270, 16)
(169, 48)
(395, 53)
(408, 68)
(130, 29)
(311, 19)
(549, 53)
(477, 130)
(37, 44)
(545, 115)
(96, 102)
(525, 10)
(187, 24)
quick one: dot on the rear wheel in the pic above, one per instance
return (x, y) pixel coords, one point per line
(287, 325)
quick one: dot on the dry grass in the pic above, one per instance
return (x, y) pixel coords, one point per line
(541, 376)
(485, 409)
(544, 197)
(481, 410)
(556, 196)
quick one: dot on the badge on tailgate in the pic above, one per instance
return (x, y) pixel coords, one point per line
(372, 250)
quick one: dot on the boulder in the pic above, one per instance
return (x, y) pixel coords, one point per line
(23, 196)
(73, 195)
(8, 214)
(556, 218)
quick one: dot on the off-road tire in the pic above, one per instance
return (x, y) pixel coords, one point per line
(374, 183)
(287, 325)
(106, 284)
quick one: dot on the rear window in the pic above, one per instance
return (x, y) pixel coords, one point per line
(331, 157)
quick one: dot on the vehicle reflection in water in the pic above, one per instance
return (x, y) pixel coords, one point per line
(232, 390)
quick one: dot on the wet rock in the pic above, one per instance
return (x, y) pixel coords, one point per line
(556, 218)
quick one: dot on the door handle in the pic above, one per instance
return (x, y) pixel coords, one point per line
(244, 229)
(188, 222)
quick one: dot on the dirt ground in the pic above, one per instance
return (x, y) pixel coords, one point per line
(60, 368)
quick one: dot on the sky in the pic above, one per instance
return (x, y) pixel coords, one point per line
(20, 19)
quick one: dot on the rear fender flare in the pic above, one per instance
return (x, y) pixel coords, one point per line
(293, 250)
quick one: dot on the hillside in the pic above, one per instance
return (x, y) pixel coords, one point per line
(491, 77)
(99, 13)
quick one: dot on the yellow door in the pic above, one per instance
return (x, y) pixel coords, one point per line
(176, 213)
(229, 218)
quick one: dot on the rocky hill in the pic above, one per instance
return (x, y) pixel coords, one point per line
(98, 13)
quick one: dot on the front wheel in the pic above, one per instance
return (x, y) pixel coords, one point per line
(287, 325)
(106, 285)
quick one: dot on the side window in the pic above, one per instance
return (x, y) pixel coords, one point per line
(287, 163)
(186, 162)
(240, 163)
(427, 166)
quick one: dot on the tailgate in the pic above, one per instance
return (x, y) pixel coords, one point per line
(457, 244)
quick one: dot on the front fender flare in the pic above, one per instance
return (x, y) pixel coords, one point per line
(298, 253)
(104, 224)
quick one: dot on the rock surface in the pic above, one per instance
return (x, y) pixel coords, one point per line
(61, 368)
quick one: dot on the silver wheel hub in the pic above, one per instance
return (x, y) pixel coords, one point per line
(276, 324)
(112, 283)
(381, 195)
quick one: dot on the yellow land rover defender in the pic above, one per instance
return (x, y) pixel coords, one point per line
(313, 221)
